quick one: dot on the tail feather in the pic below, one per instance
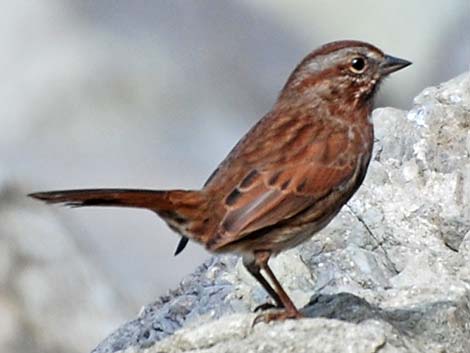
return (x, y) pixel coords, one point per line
(155, 200)
(185, 211)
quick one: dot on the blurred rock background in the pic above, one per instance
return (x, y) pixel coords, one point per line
(153, 94)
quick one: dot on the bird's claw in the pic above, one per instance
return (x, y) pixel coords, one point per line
(278, 315)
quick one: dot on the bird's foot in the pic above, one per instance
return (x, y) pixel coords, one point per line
(278, 315)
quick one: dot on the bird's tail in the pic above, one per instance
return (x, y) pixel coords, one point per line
(183, 210)
(155, 200)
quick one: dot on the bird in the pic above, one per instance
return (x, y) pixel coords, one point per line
(286, 179)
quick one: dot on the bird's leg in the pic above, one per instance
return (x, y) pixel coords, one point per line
(290, 311)
(252, 266)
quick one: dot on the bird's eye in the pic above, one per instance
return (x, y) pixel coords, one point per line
(358, 65)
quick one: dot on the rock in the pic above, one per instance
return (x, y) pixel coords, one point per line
(235, 334)
(390, 273)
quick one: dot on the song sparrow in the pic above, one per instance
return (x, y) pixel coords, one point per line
(287, 177)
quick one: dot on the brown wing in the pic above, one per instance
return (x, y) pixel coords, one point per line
(281, 167)
(274, 196)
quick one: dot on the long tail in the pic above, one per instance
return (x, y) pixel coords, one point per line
(185, 211)
(155, 200)
(150, 199)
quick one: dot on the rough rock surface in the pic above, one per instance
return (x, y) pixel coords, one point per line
(391, 273)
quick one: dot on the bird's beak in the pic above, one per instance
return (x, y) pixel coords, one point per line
(391, 64)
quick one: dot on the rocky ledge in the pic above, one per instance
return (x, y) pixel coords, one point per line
(391, 273)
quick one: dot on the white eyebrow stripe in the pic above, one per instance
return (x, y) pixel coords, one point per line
(322, 62)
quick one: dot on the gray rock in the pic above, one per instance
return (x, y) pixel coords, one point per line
(235, 334)
(390, 273)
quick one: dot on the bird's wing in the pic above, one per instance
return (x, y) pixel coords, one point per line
(265, 198)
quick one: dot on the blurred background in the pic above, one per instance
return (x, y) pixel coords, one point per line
(153, 94)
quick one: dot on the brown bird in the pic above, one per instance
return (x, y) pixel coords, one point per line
(287, 177)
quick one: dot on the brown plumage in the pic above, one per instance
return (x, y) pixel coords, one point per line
(290, 174)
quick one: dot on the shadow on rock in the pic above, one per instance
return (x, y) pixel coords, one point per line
(351, 308)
